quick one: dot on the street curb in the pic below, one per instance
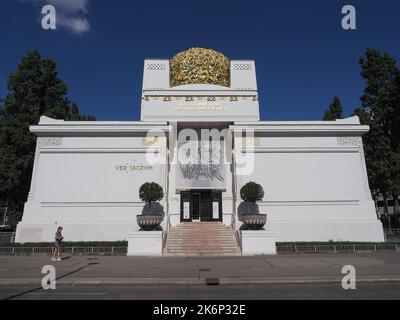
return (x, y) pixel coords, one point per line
(196, 281)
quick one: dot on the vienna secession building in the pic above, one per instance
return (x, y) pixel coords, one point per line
(87, 175)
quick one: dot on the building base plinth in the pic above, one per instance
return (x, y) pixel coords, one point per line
(258, 242)
(145, 243)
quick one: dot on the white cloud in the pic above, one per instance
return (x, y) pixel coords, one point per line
(70, 13)
(77, 25)
(68, 6)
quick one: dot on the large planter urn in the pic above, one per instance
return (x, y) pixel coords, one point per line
(149, 222)
(254, 221)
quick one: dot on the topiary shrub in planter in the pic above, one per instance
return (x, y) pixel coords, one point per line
(252, 192)
(149, 220)
(150, 192)
(248, 211)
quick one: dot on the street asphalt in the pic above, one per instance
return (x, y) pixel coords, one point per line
(249, 292)
(297, 276)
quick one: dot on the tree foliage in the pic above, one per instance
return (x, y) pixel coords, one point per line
(252, 192)
(34, 90)
(381, 111)
(335, 111)
(151, 191)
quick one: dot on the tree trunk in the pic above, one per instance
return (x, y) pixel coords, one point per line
(396, 208)
(375, 198)
(385, 203)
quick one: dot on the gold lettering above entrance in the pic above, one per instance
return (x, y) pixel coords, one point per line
(200, 107)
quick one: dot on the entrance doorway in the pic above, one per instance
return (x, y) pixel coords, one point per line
(201, 205)
(196, 206)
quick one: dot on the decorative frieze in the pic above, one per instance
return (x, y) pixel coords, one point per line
(350, 141)
(49, 142)
(200, 98)
(156, 66)
(242, 66)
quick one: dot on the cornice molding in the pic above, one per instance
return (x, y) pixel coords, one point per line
(303, 128)
(97, 129)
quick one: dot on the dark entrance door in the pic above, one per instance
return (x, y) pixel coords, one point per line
(196, 201)
(205, 206)
(201, 205)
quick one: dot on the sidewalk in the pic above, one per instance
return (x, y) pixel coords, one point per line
(296, 268)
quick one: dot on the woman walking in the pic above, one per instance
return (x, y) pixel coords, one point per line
(58, 239)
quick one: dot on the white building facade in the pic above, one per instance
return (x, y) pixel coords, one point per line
(87, 175)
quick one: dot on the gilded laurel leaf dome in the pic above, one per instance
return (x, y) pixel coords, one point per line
(200, 66)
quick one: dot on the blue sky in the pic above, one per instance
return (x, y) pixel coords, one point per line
(303, 56)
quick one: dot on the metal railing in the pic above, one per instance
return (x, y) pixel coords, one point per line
(392, 244)
(166, 232)
(304, 248)
(237, 232)
(281, 248)
(67, 250)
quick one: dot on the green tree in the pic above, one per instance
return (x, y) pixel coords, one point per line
(335, 111)
(381, 111)
(75, 115)
(381, 93)
(378, 153)
(34, 89)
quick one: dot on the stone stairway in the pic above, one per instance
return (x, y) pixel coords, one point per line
(201, 238)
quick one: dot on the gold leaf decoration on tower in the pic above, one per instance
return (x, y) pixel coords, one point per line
(200, 66)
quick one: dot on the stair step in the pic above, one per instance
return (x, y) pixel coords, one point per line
(203, 228)
(205, 238)
(201, 236)
(207, 233)
(202, 251)
(199, 244)
(197, 230)
(205, 254)
(212, 236)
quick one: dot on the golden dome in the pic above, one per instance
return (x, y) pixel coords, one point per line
(200, 66)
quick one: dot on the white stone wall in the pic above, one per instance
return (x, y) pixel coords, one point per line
(315, 182)
(89, 183)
